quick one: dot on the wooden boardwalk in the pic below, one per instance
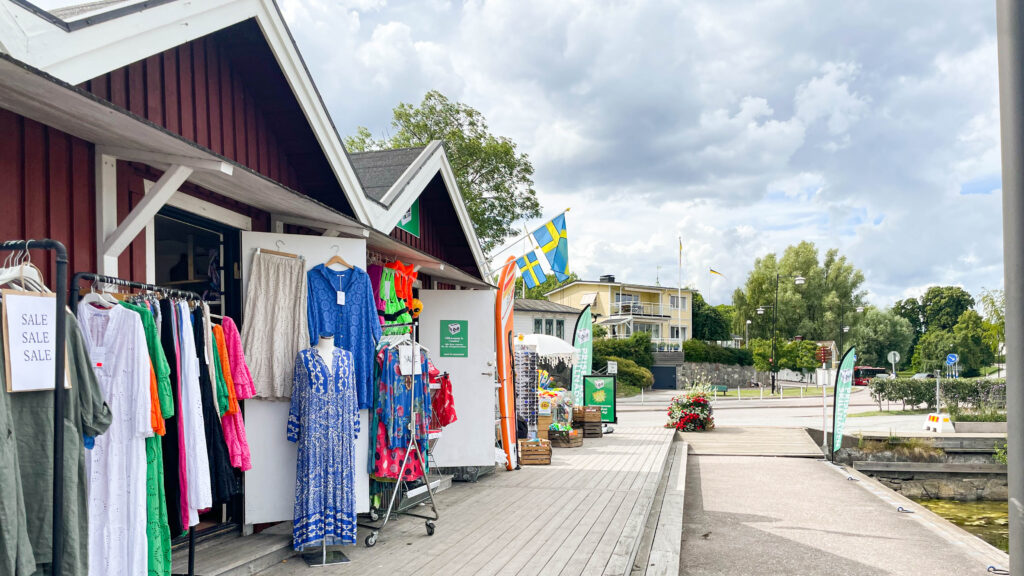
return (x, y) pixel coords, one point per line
(753, 441)
(583, 514)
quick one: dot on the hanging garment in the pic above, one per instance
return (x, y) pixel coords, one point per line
(224, 369)
(85, 414)
(395, 310)
(376, 272)
(16, 556)
(442, 402)
(158, 532)
(324, 421)
(239, 369)
(387, 462)
(224, 484)
(206, 354)
(405, 275)
(401, 395)
(351, 319)
(200, 492)
(116, 342)
(175, 473)
(275, 322)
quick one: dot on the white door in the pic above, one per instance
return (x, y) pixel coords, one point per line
(270, 484)
(457, 326)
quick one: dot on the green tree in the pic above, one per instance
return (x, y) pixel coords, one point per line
(495, 178)
(877, 333)
(942, 306)
(708, 322)
(910, 310)
(966, 339)
(831, 285)
(538, 292)
(798, 355)
(993, 305)
(728, 312)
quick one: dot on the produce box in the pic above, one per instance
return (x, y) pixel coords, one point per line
(581, 414)
(543, 422)
(534, 452)
(570, 439)
(592, 430)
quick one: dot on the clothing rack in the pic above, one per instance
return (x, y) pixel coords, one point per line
(173, 292)
(57, 534)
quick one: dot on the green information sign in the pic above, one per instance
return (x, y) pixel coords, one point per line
(410, 221)
(600, 391)
(844, 384)
(454, 338)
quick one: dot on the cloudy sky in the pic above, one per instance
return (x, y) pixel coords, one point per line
(742, 126)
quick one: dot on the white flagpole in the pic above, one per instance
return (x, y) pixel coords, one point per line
(679, 295)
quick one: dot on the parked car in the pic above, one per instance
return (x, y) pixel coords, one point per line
(921, 376)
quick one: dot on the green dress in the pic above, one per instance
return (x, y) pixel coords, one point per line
(158, 532)
(85, 414)
(16, 556)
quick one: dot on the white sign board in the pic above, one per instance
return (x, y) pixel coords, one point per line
(30, 343)
(613, 367)
(894, 357)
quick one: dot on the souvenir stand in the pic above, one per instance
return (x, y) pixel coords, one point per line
(547, 409)
(60, 326)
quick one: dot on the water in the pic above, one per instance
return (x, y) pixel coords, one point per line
(988, 520)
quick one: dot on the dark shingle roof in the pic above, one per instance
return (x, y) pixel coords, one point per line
(521, 305)
(379, 170)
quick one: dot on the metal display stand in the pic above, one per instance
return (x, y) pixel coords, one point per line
(174, 292)
(402, 499)
(57, 534)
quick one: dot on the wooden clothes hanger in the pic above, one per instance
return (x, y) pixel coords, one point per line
(279, 244)
(337, 259)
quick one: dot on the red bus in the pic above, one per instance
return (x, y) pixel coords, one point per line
(862, 375)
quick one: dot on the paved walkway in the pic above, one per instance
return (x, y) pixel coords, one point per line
(583, 514)
(753, 441)
(780, 516)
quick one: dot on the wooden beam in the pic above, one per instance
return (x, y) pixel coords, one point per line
(151, 203)
(352, 230)
(134, 155)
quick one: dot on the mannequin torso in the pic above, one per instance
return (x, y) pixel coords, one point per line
(325, 348)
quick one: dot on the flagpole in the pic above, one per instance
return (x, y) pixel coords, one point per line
(518, 238)
(679, 295)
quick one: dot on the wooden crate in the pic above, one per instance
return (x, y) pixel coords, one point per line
(592, 430)
(543, 422)
(534, 452)
(586, 414)
(573, 439)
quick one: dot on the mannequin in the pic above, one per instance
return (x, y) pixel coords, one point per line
(325, 348)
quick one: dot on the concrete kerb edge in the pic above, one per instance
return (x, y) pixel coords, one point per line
(984, 552)
(666, 549)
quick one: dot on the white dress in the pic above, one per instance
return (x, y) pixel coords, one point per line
(116, 343)
(200, 490)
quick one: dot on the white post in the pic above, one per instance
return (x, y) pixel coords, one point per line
(938, 378)
(824, 412)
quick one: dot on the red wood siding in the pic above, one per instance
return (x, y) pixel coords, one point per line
(46, 190)
(226, 93)
(440, 232)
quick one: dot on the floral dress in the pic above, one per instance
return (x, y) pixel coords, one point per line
(324, 421)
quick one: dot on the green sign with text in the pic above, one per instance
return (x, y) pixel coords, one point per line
(454, 338)
(410, 221)
(600, 391)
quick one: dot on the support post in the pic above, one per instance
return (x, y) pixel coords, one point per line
(106, 210)
(151, 203)
(1010, 37)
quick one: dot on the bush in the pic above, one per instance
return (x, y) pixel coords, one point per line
(630, 373)
(700, 351)
(957, 394)
(636, 348)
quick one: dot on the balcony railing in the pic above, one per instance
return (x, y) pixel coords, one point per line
(642, 309)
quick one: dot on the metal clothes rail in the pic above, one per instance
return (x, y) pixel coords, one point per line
(57, 534)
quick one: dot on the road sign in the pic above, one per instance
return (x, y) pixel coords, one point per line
(894, 357)
(613, 367)
(952, 359)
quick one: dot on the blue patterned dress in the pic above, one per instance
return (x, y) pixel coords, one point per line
(324, 421)
(354, 325)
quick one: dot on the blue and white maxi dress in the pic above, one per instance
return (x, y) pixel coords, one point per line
(324, 421)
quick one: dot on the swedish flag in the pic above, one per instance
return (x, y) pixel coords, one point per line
(553, 241)
(529, 267)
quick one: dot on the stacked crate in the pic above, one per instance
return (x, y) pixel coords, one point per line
(534, 452)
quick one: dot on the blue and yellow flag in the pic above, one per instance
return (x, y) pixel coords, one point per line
(716, 272)
(553, 241)
(529, 267)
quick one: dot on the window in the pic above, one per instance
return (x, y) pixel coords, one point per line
(619, 297)
(675, 302)
(674, 331)
(549, 327)
(560, 328)
(538, 326)
(654, 329)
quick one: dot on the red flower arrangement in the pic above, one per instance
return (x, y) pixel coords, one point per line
(690, 413)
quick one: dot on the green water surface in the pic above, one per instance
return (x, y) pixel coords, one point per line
(988, 520)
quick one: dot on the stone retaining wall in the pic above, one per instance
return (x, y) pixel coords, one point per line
(720, 374)
(946, 486)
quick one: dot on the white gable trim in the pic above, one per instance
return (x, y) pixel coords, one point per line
(410, 186)
(77, 56)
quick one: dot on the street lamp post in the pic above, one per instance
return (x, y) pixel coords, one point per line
(843, 328)
(746, 335)
(799, 281)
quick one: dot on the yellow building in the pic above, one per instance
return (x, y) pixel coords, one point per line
(627, 308)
